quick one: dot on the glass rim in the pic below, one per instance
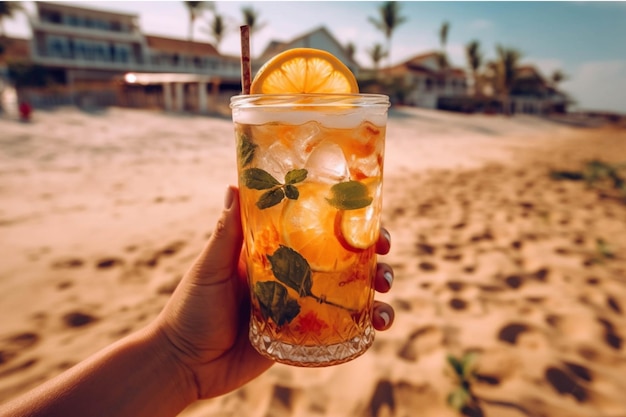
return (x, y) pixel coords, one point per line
(301, 100)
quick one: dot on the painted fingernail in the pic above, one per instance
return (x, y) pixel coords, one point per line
(388, 277)
(387, 235)
(385, 316)
(228, 198)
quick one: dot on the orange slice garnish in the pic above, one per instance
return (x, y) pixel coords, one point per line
(308, 227)
(304, 70)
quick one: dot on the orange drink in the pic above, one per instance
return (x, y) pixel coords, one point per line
(310, 171)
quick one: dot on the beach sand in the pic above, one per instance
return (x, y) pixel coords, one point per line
(101, 214)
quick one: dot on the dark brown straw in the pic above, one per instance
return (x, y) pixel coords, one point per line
(245, 59)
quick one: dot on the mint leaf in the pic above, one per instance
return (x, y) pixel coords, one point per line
(258, 179)
(246, 150)
(275, 303)
(458, 398)
(350, 195)
(295, 175)
(270, 198)
(291, 192)
(290, 268)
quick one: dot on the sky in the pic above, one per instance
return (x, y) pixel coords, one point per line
(585, 40)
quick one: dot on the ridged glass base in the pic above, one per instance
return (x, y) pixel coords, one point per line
(310, 356)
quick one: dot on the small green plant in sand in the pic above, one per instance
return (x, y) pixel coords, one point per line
(462, 398)
(604, 251)
(606, 178)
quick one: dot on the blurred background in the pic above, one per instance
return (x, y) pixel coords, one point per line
(505, 193)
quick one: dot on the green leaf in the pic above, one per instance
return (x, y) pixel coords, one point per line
(290, 268)
(275, 303)
(350, 195)
(456, 365)
(468, 363)
(270, 198)
(458, 398)
(246, 150)
(295, 175)
(258, 179)
(291, 192)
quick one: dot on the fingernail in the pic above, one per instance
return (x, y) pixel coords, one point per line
(385, 316)
(388, 277)
(387, 235)
(228, 198)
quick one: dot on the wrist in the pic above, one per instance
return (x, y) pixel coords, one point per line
(174, 372)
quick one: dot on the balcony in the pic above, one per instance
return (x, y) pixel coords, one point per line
(109, 35)
(223, 71)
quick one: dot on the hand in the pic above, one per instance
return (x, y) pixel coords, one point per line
(205, 323)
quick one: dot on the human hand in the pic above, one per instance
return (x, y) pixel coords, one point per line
(205, 323)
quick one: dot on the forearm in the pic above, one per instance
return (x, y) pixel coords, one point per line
(133, 378)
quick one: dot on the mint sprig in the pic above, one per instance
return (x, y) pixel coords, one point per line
(259, 179)
(292, 271)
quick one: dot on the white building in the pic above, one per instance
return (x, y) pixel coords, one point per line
(426, 82)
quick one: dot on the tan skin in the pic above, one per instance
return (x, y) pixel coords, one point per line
(197, 348)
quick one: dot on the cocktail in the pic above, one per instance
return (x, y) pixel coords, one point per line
(310, 163)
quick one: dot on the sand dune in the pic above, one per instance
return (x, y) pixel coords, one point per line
(100, 214)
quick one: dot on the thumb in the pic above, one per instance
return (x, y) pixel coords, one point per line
(218, 260)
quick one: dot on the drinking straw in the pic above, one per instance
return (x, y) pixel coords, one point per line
(245, 59)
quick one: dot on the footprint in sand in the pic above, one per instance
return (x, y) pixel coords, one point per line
(78, 319)
(611, 337)
(12, 347)
(422, 341)
(565, 384)
(427, 266)
(106, 263)
(67, 263)
(151, 260)
(521, 334)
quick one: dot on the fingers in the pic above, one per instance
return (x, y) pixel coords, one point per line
(219, 259)
(384, 242)
(383, 315)
(384, 278)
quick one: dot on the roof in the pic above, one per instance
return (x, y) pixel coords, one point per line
(276, 46)
(419, 64)
(180, 46)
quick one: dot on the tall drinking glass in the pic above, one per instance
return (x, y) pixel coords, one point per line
(310, 176)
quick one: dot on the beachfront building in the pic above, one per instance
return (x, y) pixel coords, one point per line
(92, 50)
(319, 38)
(531, 93)
(425, 83)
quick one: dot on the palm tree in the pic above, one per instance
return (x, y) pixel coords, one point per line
(194, 8)
(216, 29)
(377, 53)
(7, 10)
(389, 20)
(251, 19)
(474, 59)
(443, 40)
(508, 61)
(557, 77)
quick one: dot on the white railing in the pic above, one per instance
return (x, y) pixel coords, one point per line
(85, 32)
(224, 70)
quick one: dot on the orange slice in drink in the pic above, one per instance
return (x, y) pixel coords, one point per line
(304, 70)
(308, 227)
(360, 228)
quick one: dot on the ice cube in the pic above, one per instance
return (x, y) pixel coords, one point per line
(277, 160)
(304, 138)
(327, 164)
